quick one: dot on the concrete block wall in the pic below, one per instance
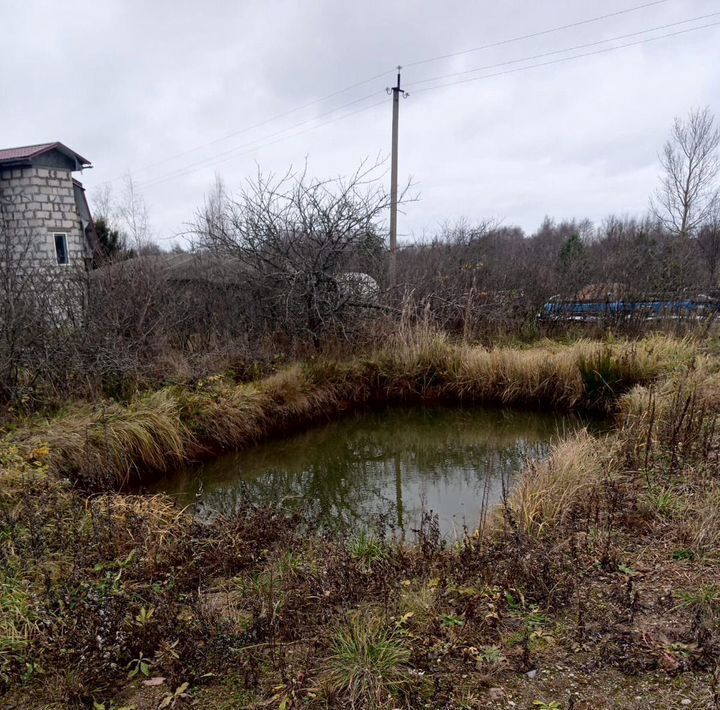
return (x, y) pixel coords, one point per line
(37, 203)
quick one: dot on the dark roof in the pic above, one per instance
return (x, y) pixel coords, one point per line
(24, 153)
(183, 267)
(86, 218)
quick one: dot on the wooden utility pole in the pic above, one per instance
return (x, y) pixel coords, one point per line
(396, 91)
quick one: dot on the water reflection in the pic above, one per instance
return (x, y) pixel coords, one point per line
(396, 462)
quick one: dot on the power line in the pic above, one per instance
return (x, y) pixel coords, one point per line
(213, 161)
(562, 51)
(250, 145)
(260, 124)
(567, 59)
(241, 150)
(364, 82)
(531, 35)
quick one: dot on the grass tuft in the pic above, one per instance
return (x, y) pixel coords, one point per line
(367, 549)
(550, 492)
(368, 664)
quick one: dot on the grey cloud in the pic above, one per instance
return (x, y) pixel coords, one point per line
(131, 83)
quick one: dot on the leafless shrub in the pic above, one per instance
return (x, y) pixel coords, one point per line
(309, 250)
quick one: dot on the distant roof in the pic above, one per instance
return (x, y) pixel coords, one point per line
(28, 152)
(187, 267)
(603, 292)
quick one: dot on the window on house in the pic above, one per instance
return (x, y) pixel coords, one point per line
(61, 249)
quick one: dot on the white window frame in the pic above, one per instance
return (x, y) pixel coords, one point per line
(64, 235)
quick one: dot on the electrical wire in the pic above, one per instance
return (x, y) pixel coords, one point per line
(561, 51)
(567, 59)
(531, 35)
(254, 145)
(189, 170)
(241, 150)
(364, 82)
(289, 128)
(271, 119)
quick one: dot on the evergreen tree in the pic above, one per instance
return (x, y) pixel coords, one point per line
(111, 240)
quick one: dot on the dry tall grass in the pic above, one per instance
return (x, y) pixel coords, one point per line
(108, 444)
(113, 441)
(701, 527)
(549, 492)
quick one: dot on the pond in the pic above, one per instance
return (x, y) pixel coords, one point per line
(397, 463)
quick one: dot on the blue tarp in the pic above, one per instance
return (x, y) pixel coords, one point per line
(648, 309)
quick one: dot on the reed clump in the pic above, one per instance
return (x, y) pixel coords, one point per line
(219, 411)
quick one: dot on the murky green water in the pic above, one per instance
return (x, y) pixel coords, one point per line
(398, 463)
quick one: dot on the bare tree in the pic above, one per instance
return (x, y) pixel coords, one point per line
(689, 190)
(216, 209)
(133, 214)
(41, 306)
(18, 314)
(104, 204)
(123, 218)
(296, 238)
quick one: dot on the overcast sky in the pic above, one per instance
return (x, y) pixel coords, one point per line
(154, 89)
